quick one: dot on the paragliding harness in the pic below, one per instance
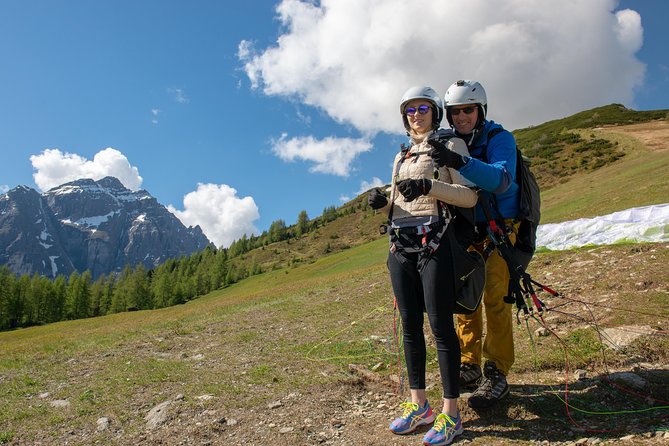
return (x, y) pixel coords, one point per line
(469, 265)
(518, 256)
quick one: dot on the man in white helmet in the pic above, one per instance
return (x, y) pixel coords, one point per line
(491, 166)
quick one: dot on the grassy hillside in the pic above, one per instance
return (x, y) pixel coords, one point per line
(303, 355)
(593, 163)
(562, 148)
(274, 353)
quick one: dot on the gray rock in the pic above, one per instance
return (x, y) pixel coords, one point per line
(59, 403)
(630, 379)
(158, 415)
(102, 424)
(542, 331)
(617, 337)
(274, 405)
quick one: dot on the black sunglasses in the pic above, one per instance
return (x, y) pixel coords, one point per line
(456, 111)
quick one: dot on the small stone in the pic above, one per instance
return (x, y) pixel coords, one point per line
(377, 367)
(580, 374)
(627, 437)
(44, 395)
(542, 331)
(285, 430)
(102, 423)
(59, 403)
(205, 397)
(180, 397)
(158, 415)
(274, 404)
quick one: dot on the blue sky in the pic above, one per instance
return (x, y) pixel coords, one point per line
(239, 114)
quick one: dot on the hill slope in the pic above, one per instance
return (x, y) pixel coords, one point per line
(625, 167)
(303, 355)
(266, 361)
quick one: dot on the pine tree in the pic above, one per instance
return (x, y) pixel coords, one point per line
(120, 300)
(21, 297)
(57, 303)
(162, 287)
(140, 292)
(277, 231)
(302, 226)
(6, 287)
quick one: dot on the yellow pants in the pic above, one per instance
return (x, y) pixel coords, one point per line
(498, 343)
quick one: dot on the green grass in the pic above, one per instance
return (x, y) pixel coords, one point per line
(265, 336)
(293, 328)
(638, 179)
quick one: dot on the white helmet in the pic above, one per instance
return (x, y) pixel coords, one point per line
(466, 92)
(428, 94)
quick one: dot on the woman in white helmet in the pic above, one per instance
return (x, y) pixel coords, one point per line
(491, 166)
(420, 262)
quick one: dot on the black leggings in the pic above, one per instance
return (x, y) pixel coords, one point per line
(430, 290)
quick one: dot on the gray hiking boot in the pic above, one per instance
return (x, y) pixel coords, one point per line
(470, 374)
(493, 388)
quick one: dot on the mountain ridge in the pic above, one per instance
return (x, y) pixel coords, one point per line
(99, 226)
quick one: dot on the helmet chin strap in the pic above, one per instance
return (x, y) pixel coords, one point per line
(470, 137)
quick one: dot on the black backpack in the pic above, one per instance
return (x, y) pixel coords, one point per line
(529, 209)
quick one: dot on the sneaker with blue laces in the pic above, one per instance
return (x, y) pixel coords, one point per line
(413, 417)
(444, 431)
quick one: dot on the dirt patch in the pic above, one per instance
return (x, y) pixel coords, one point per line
(654, 134)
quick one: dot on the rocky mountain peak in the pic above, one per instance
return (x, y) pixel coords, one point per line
(85, 224)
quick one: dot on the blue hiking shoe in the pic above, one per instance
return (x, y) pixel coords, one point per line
(444, 431)
(413, 417)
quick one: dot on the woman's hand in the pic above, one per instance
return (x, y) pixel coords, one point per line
(377, 199)
(412, 189)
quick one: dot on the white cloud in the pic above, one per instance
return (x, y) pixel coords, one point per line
(538, 60)
(178, 95)
(222, 215)
(629, 31)
(330, 155)
(367, 185)
(3, 188)
(54, 168)
(154, 113)
(244, 49)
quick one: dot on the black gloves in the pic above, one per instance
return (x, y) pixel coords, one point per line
(377, 199)
(443, 156)
(412, 189)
